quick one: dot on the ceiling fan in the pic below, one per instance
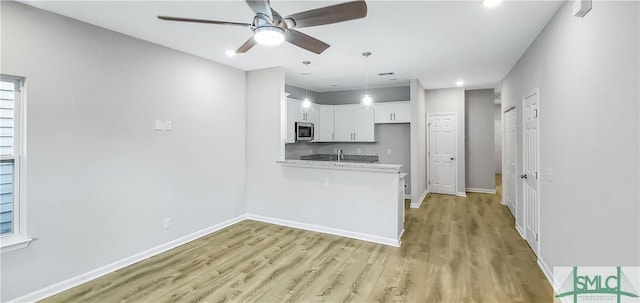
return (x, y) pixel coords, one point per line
(269, 28)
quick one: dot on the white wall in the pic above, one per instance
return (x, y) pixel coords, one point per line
(418, 143)
(587, 72)
(451, 100)
(100, 180)
(480, 143)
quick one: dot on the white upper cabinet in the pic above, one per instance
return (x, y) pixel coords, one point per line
(295, 113)
(393, 112)
(353, 124)
(332, 123)
(324, 129)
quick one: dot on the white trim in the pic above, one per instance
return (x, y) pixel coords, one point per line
(461, 194)
(417, 204)
(481, 190)
(455, 147)
(520, 232)
(14, 243)
(407, 197)
(109, 268)
(547, 273)
(504, 203)
(326, 230)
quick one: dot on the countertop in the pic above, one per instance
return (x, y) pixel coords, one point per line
(391, 168)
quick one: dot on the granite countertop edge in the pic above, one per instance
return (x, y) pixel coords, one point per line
(394, 168)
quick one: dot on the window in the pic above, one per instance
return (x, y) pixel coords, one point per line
(12, 227)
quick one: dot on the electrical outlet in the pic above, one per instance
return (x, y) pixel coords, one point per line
(167, 223)
(359, 150)
(389, 151)
(326, 182)
(310, 151)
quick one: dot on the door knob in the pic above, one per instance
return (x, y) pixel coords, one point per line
(523, 176)
(452, 158)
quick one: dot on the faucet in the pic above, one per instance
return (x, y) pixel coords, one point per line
(340, 155)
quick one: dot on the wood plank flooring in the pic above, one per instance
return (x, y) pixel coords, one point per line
(454, 250)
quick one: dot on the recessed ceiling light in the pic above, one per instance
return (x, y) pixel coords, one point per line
(460, 83)
(491, 3)
(230, 53)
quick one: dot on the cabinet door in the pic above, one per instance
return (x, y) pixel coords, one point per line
(363, 126)
(401, 112)
(343, 123)
(324, 127)
(383, 112)
(293, 115)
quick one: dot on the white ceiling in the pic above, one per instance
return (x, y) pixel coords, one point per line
(437, 42)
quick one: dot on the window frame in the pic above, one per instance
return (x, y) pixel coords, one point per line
(18, 237)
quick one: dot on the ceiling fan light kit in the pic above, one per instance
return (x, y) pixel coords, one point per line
(268, 35)
(269, 28)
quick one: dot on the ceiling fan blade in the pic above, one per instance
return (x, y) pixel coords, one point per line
(305, 41)
(246, 46)
(330, 14)
(261, 7)
(202, 21)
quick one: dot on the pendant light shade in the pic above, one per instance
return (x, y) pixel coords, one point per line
(367, 100)
(306, 103)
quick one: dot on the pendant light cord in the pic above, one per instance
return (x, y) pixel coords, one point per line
(366, 72)
(306, 77)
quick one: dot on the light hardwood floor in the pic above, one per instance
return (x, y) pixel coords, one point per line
(454, 250)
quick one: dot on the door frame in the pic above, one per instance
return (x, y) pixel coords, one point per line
(504, 157)
(455, 148)
(532, 92)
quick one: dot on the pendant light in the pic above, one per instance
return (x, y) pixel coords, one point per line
(366, 101)
(306, 103)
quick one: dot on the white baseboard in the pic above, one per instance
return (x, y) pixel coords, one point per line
(481, 190)
(407, 197)
(520, 232)
(503, 203)
(416, 204)
(460, 194)
(547, 273)
(326, 230)
(109, 268)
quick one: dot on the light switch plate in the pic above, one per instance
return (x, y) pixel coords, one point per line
(167, 125)
(159, 125)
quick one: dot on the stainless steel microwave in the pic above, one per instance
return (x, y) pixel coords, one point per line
(304, 131)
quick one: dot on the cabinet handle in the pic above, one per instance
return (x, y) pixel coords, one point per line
(390, 116)
(394, 116)
(354, 136)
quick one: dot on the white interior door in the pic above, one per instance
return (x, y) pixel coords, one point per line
(441, 153)
(509, 178)
(530, 169)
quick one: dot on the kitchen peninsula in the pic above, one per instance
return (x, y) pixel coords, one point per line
(353, 199)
